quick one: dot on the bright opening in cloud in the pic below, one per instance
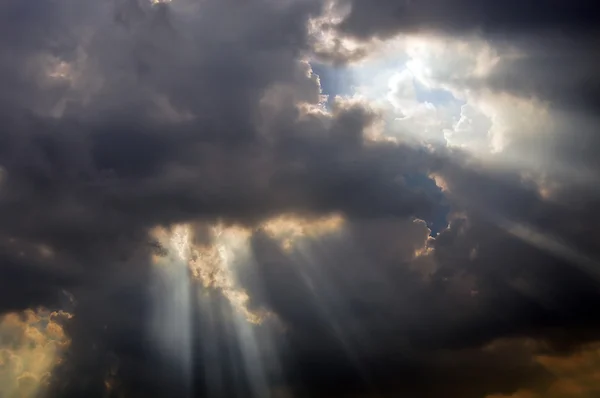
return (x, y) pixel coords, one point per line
(355, 197)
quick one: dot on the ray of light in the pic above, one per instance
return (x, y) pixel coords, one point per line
(216, 268)
(331, 304)
(213, 266)
(172, 321)
(551, 245)
(231, 243)
(210, 344)
(254, 361)
(300, 240)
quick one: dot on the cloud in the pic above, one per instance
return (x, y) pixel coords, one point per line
(573, 375)
(384, 17)
(528, 71)
(123, 116)
(304, 262)
(32, 343)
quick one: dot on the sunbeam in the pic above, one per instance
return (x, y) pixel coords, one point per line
(171, 326)
(299, 198)
(214, 266)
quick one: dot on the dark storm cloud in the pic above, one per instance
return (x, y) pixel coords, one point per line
(504, 18)
(533, 258)
(30, 279)
(371, 313)
(554, 68)
(108, 157)
(119, 116)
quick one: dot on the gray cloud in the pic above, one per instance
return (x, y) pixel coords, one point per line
(119, 116)
(546, 49)
(363, 318)
(387, 17)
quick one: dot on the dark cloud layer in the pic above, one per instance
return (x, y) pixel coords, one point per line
(397, 327)
(506, 18)
(120, 116)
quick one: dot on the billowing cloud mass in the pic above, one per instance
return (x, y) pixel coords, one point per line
(299, 198)
(31, 344)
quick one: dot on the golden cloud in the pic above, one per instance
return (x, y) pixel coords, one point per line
(211, 265)
(214, 264)
(287, 229)
(32, 342)
(576, 375)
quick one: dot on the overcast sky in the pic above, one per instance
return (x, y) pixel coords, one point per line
(299, 198)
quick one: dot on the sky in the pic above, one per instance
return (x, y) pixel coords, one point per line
(299, 198)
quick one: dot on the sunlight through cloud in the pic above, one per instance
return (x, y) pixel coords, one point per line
(32, 343)
(287, 229)
(171, 323)
(213, 266)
